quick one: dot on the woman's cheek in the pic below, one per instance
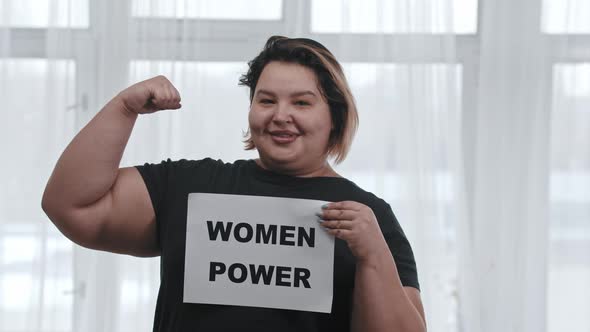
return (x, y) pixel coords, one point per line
(255, 120)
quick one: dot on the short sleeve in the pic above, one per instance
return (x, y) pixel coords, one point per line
(400, 247)
(156, 178)
(170, 181)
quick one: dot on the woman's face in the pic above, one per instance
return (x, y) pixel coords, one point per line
(290, 121)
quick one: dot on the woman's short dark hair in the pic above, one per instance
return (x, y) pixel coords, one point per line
(332, 85)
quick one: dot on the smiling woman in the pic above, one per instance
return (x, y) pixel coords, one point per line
(308, 74)
(301, 114)
(290, 127)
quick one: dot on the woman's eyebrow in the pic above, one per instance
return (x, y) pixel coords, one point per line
(294, 94)
(266, 92)
(302, 93)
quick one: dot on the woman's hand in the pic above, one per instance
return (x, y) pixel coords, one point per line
(356, 224)
(149, 96)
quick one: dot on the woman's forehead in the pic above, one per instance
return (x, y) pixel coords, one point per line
(286, 79)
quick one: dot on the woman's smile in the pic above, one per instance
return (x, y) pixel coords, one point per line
(283, 136)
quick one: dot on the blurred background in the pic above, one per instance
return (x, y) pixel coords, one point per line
(474, 126)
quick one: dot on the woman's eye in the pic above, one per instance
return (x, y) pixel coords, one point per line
(302, 103)
(266, 101)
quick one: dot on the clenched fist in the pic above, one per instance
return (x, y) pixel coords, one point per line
(149, 96)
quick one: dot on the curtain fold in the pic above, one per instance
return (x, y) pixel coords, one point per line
(509, 217)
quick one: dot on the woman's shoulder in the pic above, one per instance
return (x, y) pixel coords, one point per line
(371, 198)
(361, 195)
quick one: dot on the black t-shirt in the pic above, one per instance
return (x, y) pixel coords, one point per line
(169, 184)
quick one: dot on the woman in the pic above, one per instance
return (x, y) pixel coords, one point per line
(301, 114)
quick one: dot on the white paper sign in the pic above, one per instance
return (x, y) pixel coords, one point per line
(257, 251)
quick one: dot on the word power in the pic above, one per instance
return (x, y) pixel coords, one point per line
(239, 273)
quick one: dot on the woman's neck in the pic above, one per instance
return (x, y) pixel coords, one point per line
(322, 170)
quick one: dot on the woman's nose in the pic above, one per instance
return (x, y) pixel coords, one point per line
(282, 114)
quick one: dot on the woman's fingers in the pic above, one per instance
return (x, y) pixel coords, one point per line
(151, 95)
(337, 214)
(345, 210)
(344, 234)
(343, 205)
(354, 223)
(337, 224)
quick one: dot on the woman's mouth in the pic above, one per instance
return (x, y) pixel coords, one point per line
(283, 137)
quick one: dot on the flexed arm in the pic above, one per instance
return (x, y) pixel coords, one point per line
(88, 197)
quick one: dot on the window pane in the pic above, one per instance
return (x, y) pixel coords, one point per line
(566, 16)
(44, 13)
(571, 118)
(569, 256)
(36, 279)
(139, 280)
(381, 16)
(35, 128)
(206, 9)
(396, 94)
(35, 259)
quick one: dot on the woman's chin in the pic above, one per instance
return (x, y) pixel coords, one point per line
(280, 158)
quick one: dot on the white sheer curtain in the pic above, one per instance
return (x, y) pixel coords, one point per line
(474, 127)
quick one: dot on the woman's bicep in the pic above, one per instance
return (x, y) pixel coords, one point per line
(130, 223)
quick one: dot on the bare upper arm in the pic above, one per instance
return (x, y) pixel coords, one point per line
(414, 296)
(126, 218)
(130, 227)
